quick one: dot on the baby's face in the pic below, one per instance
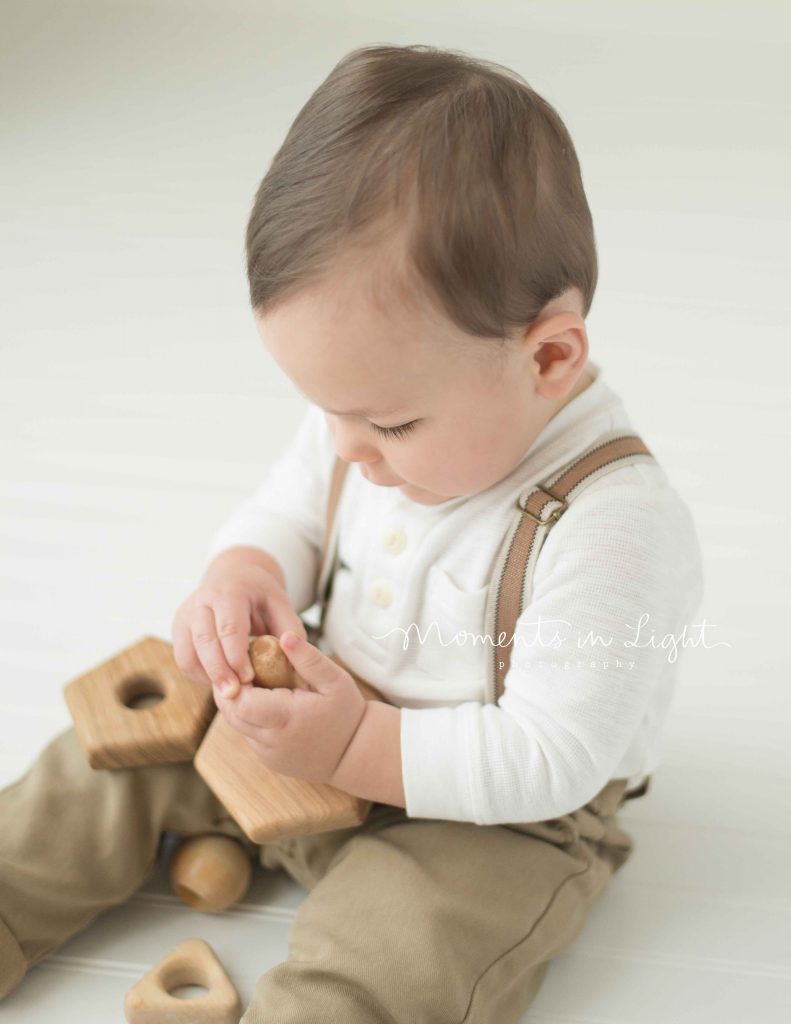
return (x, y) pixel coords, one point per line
(407, 395)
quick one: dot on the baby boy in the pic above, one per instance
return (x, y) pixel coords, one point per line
(421, 262)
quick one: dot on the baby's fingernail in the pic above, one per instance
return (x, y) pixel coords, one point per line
(228, 688)
(248, 673)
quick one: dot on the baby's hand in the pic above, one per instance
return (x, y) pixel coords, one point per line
(242, 593)
(302, 731)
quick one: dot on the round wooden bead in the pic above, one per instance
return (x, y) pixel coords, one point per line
(210, 872)
(270, 663)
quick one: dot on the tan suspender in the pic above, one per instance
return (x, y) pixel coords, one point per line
(540, 506)
(330, 542)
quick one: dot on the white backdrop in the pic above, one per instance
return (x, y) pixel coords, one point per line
(138, 404)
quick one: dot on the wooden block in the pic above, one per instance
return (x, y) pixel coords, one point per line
(266, 804)
(192, 962)
(114, 733)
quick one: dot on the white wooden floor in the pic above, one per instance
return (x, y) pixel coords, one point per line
(138, 405)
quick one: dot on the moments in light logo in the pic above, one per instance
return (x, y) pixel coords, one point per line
(554, 633)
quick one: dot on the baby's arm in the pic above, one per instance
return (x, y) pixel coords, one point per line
(229, 559)
(284, 518)
(560, 731)
(262, 564)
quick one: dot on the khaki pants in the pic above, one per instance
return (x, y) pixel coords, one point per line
(406, 920)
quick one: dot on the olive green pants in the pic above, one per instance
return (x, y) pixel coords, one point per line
(471, 915)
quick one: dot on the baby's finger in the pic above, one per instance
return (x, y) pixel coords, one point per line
(203, 629)
(232, 618)
(184, 654)
(263, 708)
(252, 721)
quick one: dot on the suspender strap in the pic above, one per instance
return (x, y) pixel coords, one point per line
(329, 556)
(540, 507)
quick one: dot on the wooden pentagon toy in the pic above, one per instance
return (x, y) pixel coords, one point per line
(192, 962)
(266, 804)
(138, 708)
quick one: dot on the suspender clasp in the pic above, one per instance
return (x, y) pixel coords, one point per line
(553, 516)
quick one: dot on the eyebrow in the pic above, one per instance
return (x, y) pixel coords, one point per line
(349, 412)
(361, 412)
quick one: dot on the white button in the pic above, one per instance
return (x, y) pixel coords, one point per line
(394, 540)
(381, 593)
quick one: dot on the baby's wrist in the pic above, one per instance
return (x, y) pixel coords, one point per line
(242, 556)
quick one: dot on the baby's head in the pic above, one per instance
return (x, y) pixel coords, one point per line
(421, 259)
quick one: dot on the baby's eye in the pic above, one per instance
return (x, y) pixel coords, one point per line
(400, 431)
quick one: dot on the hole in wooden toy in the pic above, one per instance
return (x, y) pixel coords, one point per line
(192, 898)
(186, 981)
(188, 992)
(140, 691)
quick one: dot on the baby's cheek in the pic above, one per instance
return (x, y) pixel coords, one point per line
(440, 459)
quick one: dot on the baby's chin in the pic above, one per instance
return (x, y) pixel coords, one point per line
(411, 491)
(421, 497)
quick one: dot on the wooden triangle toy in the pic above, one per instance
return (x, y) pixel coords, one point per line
(192, 962)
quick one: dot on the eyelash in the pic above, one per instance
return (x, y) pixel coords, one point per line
(400, 431)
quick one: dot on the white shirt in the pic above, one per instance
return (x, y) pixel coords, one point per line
(587, 690)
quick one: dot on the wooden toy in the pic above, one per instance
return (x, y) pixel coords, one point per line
(192, 962)
(138, 708)
(210, 872)
(266, 804)
(271, 666)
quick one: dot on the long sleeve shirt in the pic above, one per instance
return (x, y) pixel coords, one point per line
(596, 648)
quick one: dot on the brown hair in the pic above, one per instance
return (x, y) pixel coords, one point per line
(456, 160)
